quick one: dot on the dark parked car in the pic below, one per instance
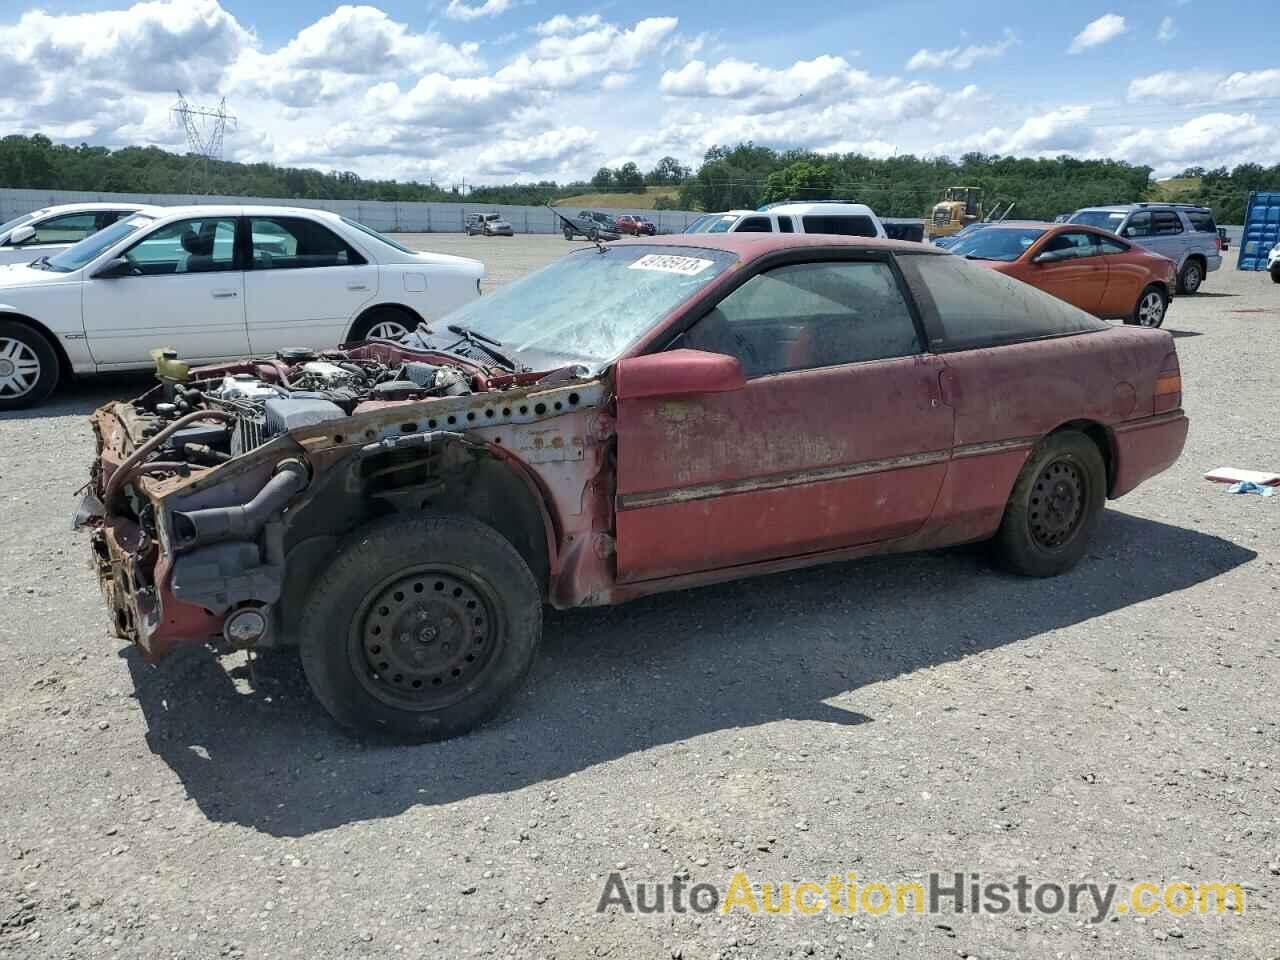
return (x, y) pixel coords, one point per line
(648, 417)
(591, 224)
(634, 226)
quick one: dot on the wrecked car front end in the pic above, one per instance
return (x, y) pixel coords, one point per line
(218, 496)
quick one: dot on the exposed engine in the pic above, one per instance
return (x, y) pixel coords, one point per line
(268, 397)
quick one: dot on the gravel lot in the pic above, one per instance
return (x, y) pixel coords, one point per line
(888, 717)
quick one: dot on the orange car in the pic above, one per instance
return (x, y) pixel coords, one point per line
(1090, 268)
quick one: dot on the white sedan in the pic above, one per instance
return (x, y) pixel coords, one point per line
(50, 230)
(211, 283)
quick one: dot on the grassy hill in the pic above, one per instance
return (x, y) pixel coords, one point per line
(1175, 188)
(620, 201)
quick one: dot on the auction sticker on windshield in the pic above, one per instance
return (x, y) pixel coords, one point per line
(667, 263)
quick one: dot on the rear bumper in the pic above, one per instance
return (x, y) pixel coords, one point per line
(1143, 448)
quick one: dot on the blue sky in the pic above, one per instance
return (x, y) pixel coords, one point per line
(495, 90)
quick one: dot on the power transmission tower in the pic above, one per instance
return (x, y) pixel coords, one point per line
(205, 129)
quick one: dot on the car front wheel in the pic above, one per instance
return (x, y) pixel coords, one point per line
(1191, 277)
(382, 323)
(568, 234)
(421, 628)
(1151, 308)
(1055, 507)
(28, 366)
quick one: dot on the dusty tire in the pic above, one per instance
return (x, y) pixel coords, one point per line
(1150, 309)
(1190, 277)
(421, 628)
(1275, 274)
(1055, 507)
(593, 234)
(384, 323)
(28, 366)
(568, 234)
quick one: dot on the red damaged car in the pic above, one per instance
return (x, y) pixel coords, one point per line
(647, 417)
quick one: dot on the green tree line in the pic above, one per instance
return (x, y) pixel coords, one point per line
(741, 176)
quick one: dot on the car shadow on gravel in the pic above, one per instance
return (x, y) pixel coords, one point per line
(253, 747)
(82, 397)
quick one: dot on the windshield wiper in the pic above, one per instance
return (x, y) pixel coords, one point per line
(485, 343)
(40, 264)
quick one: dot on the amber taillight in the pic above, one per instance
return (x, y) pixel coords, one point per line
(1168, 385)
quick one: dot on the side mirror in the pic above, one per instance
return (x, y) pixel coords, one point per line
(677, 373)
(21, 235)
(118, 267)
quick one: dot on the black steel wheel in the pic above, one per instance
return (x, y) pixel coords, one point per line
(1055, 506)
(421, 627)
(422, 638)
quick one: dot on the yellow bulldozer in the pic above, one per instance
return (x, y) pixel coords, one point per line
(959, 207)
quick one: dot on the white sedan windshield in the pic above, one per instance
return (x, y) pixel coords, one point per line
(589, 307)
(93, 246)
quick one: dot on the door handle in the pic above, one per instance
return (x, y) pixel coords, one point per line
(357, 286)
(224, 294)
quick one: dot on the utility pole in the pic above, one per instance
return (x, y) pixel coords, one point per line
(206, 129)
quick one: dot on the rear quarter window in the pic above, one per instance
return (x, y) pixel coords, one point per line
(968, 306)
(851, 226)
(1202, 221)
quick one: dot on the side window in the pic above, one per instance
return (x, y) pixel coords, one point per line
(1202, 221)
(810, 315)
(188, 246)
(755, 225)
(1112, 246)
(784, 225)
(841, 226)
(69, 228)
(976, 307)
(1072, 246)
(1139, 225)
(294, 243)
(1167, 223)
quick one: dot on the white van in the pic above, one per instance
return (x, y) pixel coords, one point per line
(822, 216)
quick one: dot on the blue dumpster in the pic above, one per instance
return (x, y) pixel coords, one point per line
(1261, 230)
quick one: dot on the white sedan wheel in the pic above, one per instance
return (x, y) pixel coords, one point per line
(387, 330)
(19, 368)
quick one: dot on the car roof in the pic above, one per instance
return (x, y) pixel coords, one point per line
(832, 209)
(95, 206)
(749, 246)
(242, 210)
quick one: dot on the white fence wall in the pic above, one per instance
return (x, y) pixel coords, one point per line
(380, 215)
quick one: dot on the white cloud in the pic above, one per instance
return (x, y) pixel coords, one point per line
(560, 62)
(961, 58)
(1203, 86)
(461, 10)
(764, 89)
(534, 155)
(1103, 30)
(561, 23)
(1168, 30)
(1209, 140)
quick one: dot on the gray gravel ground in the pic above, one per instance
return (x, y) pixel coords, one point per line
(889, 717)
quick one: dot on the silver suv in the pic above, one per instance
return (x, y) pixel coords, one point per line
(1185, 234)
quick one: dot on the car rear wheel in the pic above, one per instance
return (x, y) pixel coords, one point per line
(382, 323)
(1151, 308)
(28, 366)
(1055, 507)
(421, 628)
(593, 234)
(1191, 277)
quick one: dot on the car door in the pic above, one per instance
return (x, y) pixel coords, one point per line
(1068, 265)
(1167, 236)
(1128, 273)
(305, 284)
(838, 437)
(183, 287)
